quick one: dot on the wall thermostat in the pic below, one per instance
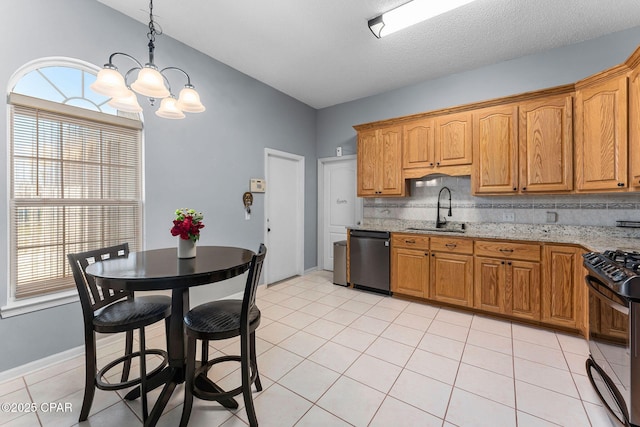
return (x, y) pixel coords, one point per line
(258, 185)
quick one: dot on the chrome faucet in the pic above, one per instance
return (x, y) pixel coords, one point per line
(441, 223)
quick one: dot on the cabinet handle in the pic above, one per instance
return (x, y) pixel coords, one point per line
(426, 254)
(621, 184)
(451, 245)
(524, 188)
(433, 254)
(506, 250)
(410, 241)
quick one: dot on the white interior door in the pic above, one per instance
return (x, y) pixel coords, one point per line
(284, 215)
(340, 206)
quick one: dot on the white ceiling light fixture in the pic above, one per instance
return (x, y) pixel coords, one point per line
(410, 14)
(150, 82)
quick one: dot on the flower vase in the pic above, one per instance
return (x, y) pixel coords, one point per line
(186, 248)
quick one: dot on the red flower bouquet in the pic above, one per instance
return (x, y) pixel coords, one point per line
(187, 224)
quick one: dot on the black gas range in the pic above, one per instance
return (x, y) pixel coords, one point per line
(613, 366)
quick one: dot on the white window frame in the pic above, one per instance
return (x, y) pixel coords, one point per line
(15, 307)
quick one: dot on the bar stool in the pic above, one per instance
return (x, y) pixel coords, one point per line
(109, 311)
(219, 320)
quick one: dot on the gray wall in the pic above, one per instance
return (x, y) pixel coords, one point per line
(204, 161)
(547, 69)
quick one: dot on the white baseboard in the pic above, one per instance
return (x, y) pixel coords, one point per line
(311, 270)
(48, 361)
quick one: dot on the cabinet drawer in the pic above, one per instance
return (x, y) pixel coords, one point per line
(455, 246)
(417, 241)
(508, 250)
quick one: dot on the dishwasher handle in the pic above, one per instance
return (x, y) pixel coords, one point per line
(370, 234)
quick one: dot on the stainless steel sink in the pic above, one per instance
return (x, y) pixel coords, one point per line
(438, 230)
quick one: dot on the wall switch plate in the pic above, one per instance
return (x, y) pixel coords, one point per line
(508, 216)
(247, 215)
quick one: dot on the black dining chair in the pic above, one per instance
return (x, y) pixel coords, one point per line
(109, 311)
(219, 320)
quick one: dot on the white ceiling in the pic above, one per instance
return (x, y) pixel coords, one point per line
(322, 53)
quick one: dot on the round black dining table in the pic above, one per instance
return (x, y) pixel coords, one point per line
(161, 269)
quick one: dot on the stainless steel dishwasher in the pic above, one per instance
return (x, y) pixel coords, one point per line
(369, 259)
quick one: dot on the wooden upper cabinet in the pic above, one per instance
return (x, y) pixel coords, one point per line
(419, 145)
(453, 139)
(495, 150)
(601, 136)
(380, 163)
(546, 145)
(634, 129)
(368, 158)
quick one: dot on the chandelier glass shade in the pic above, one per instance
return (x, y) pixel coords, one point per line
(150, 82)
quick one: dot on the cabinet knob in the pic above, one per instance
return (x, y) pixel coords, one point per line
(515, 188)
(431, 164)
(426, 254)
(433, 254)
(509, 263)
(524, 188)
(437, 163)
(502, 262)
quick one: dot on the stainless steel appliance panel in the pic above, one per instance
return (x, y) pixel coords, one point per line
(369, 260)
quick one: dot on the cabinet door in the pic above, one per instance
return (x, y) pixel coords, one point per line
(490, 283)
(453, 140)
(495, 149)
(523, 289)
(601, 136)
(546, 145)
(634, 130)
(562, 287)
(390, 179)
(369, 152)
(452, 278)
(418, 144)
(409, 272)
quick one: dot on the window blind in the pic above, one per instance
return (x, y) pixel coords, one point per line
(75, 186)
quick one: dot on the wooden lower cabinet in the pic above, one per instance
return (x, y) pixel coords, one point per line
(562, 287)
(508, 287)
(410, 272)
(410, 264)
(490, 284)
(452, 278)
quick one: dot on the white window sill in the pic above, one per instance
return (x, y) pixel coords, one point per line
(16, 308)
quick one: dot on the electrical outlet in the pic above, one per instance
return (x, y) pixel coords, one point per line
(508, 216)
(552, 217)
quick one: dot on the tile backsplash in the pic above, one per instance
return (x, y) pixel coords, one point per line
(570, 209)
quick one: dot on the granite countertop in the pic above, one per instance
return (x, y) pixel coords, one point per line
(596, 239)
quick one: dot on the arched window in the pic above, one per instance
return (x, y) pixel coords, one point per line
(75, 174)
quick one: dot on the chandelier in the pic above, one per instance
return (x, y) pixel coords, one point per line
(150, 82)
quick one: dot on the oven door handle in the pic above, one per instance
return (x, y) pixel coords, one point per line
(594, 285)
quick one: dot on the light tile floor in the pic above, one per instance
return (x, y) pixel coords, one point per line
(333, 356)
